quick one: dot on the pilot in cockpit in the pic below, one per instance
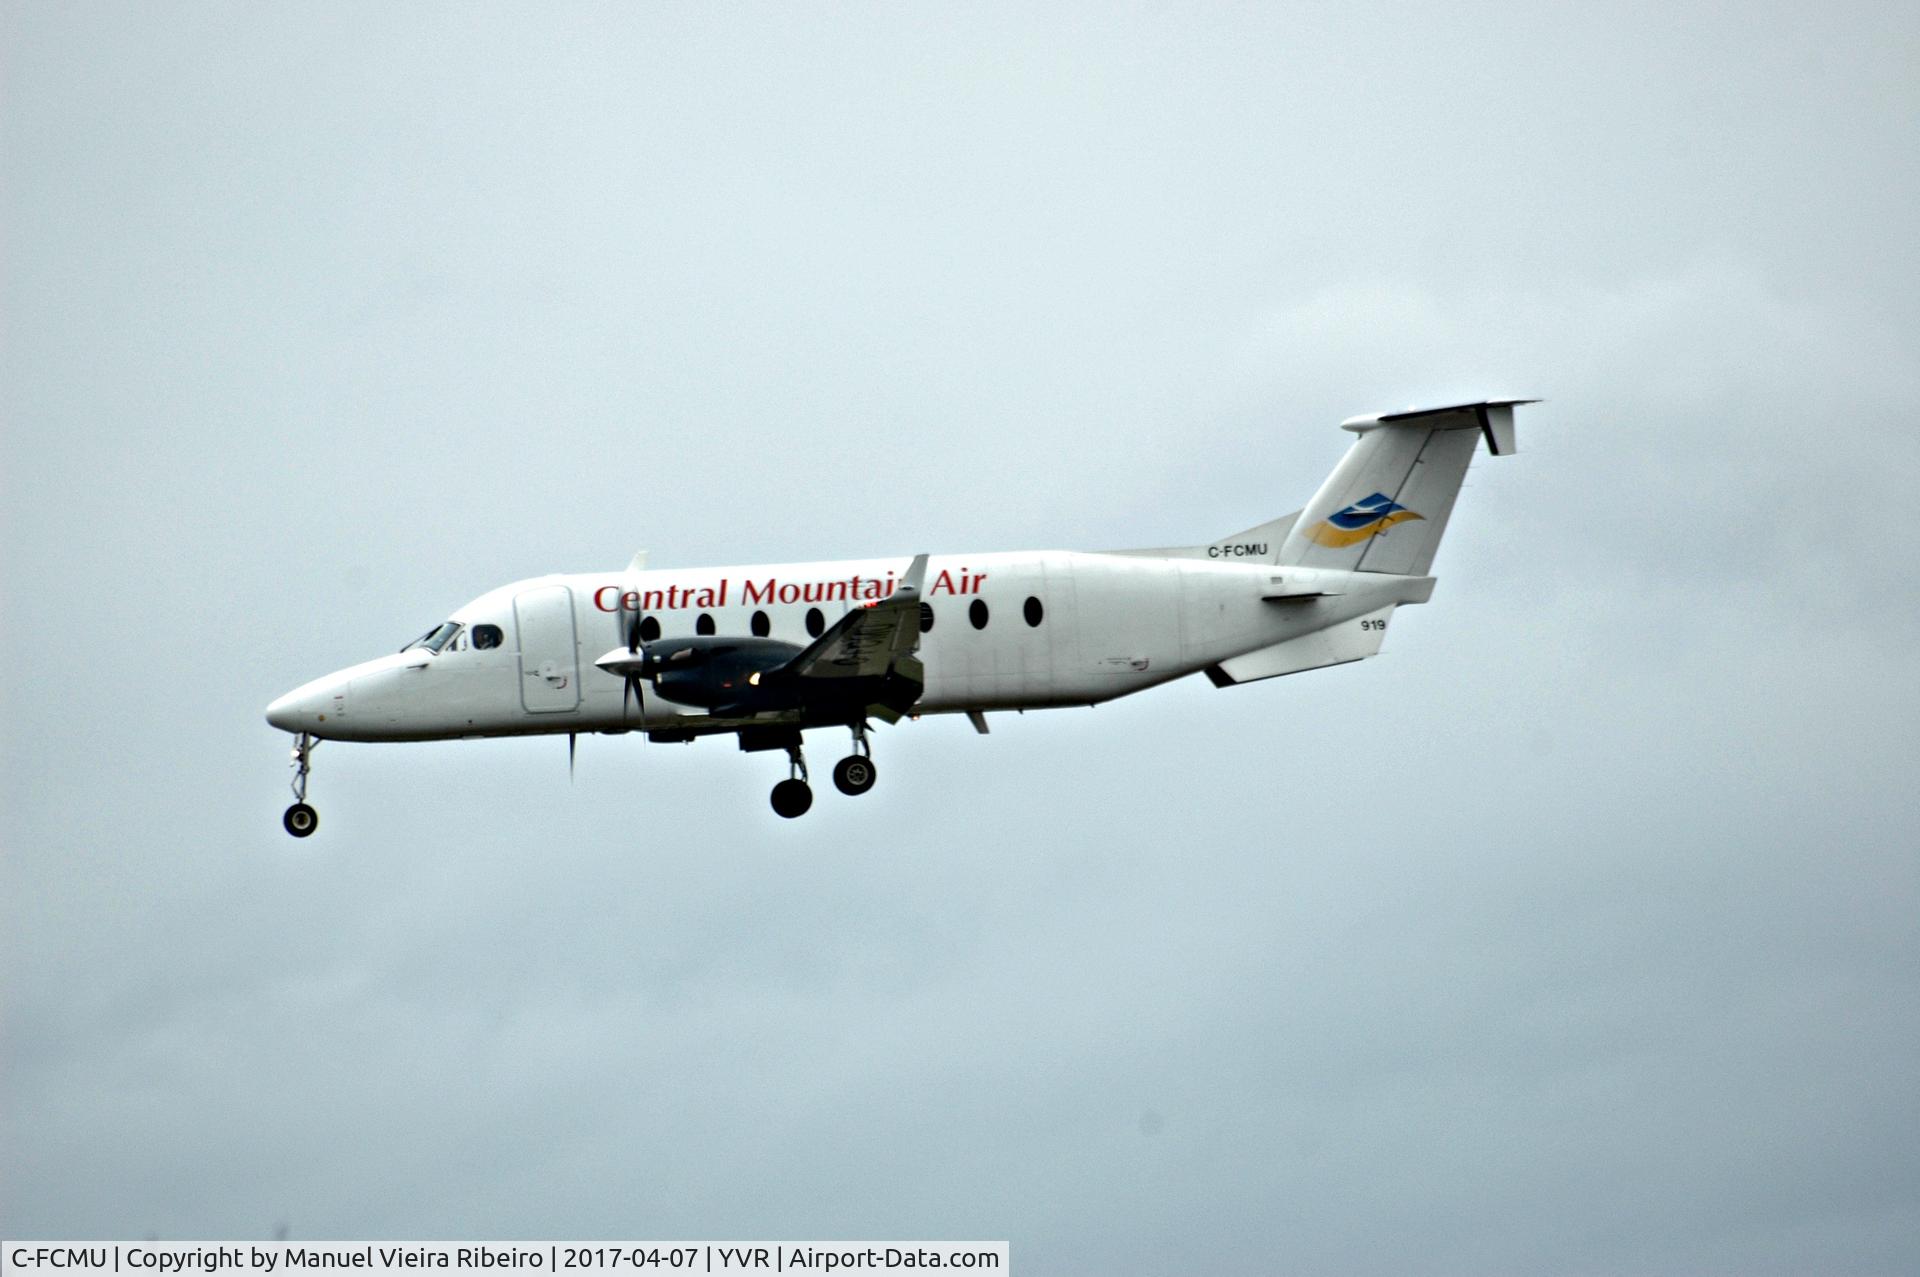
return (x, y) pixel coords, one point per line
(451, 635)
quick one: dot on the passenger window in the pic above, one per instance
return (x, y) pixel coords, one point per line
(816, 623)
(761, 625)
(1035, 613)
(486, 636)
(649, 629)
(977, 613)
(926, 617)
(704, 625)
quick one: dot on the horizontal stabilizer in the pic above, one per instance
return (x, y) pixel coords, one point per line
(1493, 417)
(1353, 640)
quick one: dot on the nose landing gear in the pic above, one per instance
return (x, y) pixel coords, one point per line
(301, 820)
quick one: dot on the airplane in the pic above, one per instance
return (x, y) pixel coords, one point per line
(764, 653)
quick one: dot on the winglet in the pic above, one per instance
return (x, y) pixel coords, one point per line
(915, 577)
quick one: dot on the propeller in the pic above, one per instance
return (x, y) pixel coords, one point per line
(572, 740)
(633, 673)
(630, 661)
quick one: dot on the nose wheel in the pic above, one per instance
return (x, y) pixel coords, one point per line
(792, 796)
(301, 820)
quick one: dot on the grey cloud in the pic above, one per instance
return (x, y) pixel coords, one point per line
(1573, 933)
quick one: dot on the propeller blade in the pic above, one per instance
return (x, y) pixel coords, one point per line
(570, 746)
(633, 645)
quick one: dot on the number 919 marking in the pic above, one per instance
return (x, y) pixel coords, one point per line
(1373, 625)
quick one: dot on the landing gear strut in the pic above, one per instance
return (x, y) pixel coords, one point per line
(792, 797)
(854, 774)
(301, 820)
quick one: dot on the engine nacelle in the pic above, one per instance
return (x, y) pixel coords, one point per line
(707, 672)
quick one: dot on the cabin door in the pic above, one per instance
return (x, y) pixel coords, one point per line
(549, 650)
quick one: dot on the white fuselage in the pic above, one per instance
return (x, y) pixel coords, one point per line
(1009, 631)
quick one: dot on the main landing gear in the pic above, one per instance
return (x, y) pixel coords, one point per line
(301, 820)
(852, 775)
(792, 797)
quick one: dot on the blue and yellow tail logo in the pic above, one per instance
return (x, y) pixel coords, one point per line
(1366, 518)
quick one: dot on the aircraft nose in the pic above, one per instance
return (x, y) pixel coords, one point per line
(306, 708)
(292, 712)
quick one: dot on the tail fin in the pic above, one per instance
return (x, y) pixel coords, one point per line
(1385, 505)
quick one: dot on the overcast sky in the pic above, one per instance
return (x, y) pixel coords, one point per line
(1576, 933)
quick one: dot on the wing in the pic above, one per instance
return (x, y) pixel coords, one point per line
(870, 641)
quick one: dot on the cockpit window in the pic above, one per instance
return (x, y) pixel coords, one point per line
(436, 638)
(486, 636)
